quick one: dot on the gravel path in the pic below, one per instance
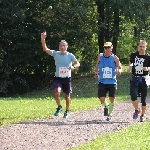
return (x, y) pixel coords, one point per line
(59, 133)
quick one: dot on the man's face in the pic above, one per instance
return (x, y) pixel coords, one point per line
(142, 47)
(108, 48)
(63, 46)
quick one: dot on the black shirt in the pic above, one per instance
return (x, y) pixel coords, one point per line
(139, 61)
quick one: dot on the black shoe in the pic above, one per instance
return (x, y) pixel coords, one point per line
(105, 111)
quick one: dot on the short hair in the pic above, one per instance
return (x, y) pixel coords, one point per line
(63, 41)
(143, 42)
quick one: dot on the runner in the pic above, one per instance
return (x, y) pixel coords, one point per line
(140, 62)
(108, 65)
(62, 79)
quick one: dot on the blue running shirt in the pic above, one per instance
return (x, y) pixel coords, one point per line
(107, 70)
(62, 63)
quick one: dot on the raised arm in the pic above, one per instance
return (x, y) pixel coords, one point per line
(43, 37)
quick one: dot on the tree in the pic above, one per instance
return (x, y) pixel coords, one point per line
(111, 15)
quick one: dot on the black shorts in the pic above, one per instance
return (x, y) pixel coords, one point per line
(104, 88)
(63, 83)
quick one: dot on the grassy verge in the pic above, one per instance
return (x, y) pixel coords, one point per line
(135, 137)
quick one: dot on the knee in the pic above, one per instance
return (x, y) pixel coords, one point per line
(57, 93)
(67, 97)
(112, 99)
(133, 99)
(102, 99)
(143, 103)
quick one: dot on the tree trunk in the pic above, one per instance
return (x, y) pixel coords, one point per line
(100, 8)
(115, 29)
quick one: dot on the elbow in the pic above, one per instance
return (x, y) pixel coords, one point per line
(119, 67)
(78, 64)
(44, 49)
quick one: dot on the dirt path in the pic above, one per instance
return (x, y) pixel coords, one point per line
(59, 133)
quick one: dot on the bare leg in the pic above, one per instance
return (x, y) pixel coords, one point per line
(143, 109)
(102, 99)
(112, 99)
(135, 104)
(104, 102)
(57, 95)
(68, 101)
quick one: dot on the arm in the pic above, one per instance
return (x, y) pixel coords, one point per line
(118, 64)
(76, 65)
(129, 67)
(130, 64)
(43, 36)
(96, 69)
(148, 67)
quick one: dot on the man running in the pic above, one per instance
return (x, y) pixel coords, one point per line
(62, 78)
(140, 62)
(108, 65)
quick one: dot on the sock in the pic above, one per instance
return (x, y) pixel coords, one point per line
(111, 107)
(105, 104)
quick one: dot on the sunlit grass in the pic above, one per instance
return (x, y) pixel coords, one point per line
(15, 110)
(135, 137)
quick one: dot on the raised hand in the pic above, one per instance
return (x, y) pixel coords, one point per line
(43, 35)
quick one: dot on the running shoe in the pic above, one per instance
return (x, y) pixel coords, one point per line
(135, 115)
(109, 118)
(105, 111)
(58, 111)
(142, 118)
(66, 114)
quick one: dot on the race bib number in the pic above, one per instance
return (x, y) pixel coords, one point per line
(107, 72)
(63, 72)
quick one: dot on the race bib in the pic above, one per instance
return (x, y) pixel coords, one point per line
(107, 72)
(63, 72)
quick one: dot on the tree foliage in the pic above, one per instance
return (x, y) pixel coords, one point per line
(85, 25)
(114, 14)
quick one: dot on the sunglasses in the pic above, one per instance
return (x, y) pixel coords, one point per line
(107, 47)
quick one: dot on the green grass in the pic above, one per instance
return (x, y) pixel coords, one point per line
(16, 110)
(135, 137)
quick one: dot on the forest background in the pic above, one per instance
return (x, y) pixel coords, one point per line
(84, 24)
